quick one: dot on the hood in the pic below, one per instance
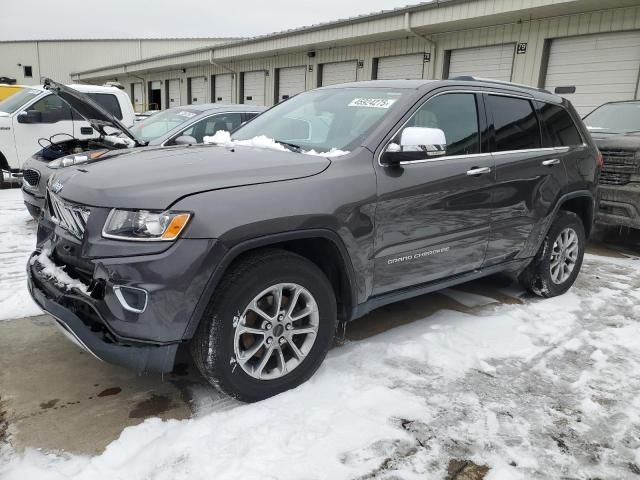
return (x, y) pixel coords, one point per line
(88, 109)
(154, 178)
(623, 141)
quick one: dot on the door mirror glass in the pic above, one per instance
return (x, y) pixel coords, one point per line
(30, 116)
(185, 140)
(416, 143)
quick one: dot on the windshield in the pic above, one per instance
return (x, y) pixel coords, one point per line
(18, 100)
(161, 123)
(322, 120)
(614, 118)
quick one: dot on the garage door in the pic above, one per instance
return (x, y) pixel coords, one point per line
(253, 88)
(602, 68)
(398, 67)
(173, 93)
(197, 91)
(138, 97)
(291, 81)
(339, 72)
(223, 85)
(495, 62)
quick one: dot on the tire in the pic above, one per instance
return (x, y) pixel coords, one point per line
(538, 277)
(218, 349)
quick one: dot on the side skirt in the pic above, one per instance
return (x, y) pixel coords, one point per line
(513, 266)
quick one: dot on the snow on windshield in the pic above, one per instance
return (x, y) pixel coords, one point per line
(222, 137)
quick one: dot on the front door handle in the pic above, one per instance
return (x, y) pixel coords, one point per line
(479, 171)
(551, 163)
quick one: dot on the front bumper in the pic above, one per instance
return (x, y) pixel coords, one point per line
(59, 304)
(619, 205)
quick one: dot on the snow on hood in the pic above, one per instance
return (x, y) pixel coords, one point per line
(56, 273)
(223, 137)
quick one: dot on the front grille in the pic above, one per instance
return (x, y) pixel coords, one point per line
(32, 177)
(618, 167)
(72, 218)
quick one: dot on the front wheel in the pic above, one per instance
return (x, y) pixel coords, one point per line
(268, 327)
(557, 264)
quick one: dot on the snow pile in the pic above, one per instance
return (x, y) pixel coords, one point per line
(542, 389)
(56, 273)
(223, 137)
(17, 241)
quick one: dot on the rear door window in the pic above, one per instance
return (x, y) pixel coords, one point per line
(108, 102)
(515, 123)
(560, 130)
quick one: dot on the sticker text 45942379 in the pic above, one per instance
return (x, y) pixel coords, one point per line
(372, 102)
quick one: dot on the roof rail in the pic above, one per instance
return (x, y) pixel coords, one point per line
(470, 78)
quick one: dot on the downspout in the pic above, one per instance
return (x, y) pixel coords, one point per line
(433, 45)
(233, 72)
(145, 99)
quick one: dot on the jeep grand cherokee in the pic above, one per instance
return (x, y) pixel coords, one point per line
(333, 203)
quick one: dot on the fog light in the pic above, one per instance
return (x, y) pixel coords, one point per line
(132, 299)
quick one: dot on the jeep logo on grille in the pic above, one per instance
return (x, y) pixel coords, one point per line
(56, 187)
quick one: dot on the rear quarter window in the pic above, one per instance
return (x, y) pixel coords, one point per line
(515, 123)
(109, 102)
(560, 129)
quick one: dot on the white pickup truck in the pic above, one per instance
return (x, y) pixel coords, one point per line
(34, 117)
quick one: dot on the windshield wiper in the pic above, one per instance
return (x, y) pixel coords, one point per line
(291, 146)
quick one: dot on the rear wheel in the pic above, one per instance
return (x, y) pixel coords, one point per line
(268, 327)
(557, 264)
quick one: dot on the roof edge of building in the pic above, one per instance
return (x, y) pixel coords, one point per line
(283, 33)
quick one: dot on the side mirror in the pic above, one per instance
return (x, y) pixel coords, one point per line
(185, 140)
(30, 116)
(416, 143)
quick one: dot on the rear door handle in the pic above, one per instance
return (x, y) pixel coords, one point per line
(478, 171)
(551, 163)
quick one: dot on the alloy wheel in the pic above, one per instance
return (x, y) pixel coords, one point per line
(564, 255)
(276, 331)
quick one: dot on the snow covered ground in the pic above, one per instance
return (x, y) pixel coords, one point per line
(533, 389)
(17, 241)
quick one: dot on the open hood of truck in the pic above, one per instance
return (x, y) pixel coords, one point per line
(88, 109)
(153, 178)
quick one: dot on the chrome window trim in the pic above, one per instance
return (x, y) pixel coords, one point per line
(457, 157)
(439, 159)
(532, 150)
(164, 144)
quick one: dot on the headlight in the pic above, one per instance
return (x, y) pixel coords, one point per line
(144, 225)
(76, 159)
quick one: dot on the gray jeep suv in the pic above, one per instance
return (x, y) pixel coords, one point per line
(331, 204)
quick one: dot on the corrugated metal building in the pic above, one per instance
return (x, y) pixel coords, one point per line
(30, 61)
(591, 45)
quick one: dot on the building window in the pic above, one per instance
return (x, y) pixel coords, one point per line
(28, 71)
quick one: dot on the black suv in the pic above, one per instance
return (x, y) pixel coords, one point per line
(331, 204)
(615, 127)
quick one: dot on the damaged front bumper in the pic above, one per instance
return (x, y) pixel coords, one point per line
(619, 205)
(75, 314)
